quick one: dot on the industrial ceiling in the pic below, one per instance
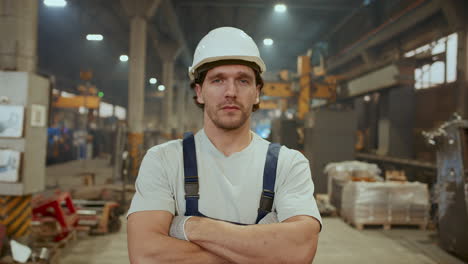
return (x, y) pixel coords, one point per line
(64, 50)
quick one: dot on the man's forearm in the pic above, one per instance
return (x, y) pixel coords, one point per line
(287, 242)
(164, 249)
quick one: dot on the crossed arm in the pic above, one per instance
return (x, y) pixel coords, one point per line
(292, 241)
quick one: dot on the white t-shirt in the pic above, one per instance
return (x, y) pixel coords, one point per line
(230, 187)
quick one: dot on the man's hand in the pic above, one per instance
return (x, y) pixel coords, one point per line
(177, 229)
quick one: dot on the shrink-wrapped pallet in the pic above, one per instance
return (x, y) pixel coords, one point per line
(340, 173)
(385, 203)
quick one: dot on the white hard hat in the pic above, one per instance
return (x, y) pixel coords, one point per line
(225, 43)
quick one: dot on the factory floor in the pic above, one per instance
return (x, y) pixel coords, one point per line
(338, 243)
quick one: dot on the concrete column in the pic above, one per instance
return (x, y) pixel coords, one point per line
(455, 14)
(194, 114)
(188, 107)
(136, 91)
(138, 11)
(168, 79)
(174, 117)
(168, 52)
(136, 76)
(18, 24)
(18, 52)
(180, 107)
(462, 73)
(396, 122)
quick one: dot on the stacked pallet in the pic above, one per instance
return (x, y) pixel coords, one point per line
(340, 173)
(386, 204)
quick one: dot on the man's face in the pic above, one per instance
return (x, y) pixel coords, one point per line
(228, 92)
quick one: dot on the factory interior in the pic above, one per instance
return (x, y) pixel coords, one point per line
(374, 93)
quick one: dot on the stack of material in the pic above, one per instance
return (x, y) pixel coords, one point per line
(385, 203)
(324, 205)
(98, 217)
(340, 173)
(395, 175)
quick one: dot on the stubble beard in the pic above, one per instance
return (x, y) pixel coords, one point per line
(228, 121)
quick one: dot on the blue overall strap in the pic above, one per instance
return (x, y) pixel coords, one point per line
(190, 175)
(269, 178)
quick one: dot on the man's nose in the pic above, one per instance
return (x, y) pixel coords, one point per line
(231, 89)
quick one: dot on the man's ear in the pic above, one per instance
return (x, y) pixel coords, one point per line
(199, 94)
(257, 98)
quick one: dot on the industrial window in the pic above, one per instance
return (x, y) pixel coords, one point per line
(438, 62)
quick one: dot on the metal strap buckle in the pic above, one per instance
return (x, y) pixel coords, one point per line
(266, 201)
(192, 196)
(191, 189)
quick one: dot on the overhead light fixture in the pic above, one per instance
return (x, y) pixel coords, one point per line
(123, 58)
(161, 88)
(280, 8)
(94, 37)
(153, 80)
(55, 3)
(268, 42)
(367, 98)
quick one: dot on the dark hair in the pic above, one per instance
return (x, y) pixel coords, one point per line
(201, 75)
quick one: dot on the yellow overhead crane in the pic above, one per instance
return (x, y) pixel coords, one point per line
(278, 89)
(281, 90)
(88, 99)
(90, 102)
(313, 83)
(303, 101)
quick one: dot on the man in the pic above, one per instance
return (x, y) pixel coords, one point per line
(223, 176)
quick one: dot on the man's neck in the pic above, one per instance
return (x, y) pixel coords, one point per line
(228, 141)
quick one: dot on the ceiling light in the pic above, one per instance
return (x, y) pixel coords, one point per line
(280, 8)
(55, 3)
(367, 98)
(161, 88)
(153, 81)
(94, 37)
(123, 58)
(268, 41)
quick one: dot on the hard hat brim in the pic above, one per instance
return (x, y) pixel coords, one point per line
(253, 59)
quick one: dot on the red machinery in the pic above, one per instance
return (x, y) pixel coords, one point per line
(47, 207)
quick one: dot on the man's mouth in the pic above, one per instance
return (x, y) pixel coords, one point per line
(230, 107)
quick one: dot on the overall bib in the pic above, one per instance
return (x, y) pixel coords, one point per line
(191, 179)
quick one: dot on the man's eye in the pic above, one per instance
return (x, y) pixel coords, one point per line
(216, 81)
(244, 81)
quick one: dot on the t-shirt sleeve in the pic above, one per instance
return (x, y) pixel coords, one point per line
(295, 191)
(152, 186)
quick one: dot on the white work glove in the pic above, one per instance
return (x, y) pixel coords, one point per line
(270, 218)
(177, 229)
